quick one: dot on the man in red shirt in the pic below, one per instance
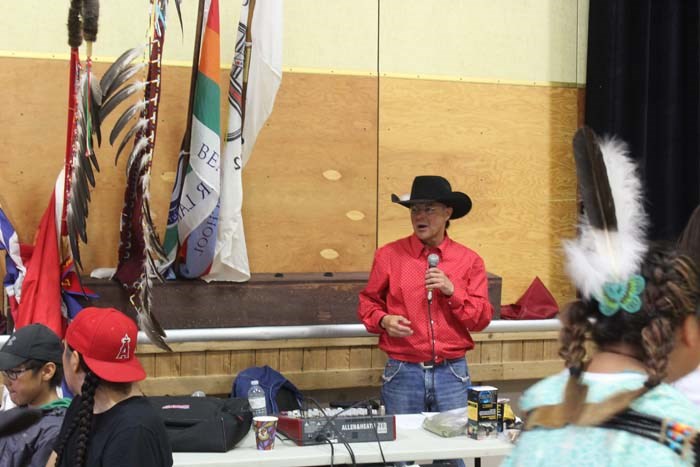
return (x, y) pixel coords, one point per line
(424, 314)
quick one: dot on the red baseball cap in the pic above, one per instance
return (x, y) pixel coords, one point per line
(106, 339)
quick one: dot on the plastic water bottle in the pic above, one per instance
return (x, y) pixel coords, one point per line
(256, 399)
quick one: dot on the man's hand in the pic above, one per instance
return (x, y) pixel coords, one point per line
(436, 279)
(396, 326)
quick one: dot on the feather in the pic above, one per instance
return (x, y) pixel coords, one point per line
(593, 184)
(179, 15)
(95, 104)
(612, 240)
(140, 145)
(118, 98)
(140, 125)
(118, 66)
(93, 158)
(126, 74)
(87, 169)
(147, 321)
(128, 114)
(150, 326)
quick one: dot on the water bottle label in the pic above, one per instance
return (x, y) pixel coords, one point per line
(257, 403)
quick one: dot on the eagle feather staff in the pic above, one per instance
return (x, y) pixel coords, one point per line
(139, 245)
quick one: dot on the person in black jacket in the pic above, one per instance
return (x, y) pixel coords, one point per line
(109, 424)
(30, 363)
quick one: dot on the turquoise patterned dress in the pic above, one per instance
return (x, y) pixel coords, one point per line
(584, 446)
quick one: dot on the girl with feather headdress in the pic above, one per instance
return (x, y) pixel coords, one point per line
(639, 306)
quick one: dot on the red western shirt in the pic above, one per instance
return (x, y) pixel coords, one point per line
(396, 286)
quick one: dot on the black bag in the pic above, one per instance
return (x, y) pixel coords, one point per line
(203, 424)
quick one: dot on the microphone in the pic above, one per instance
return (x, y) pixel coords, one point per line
(433, 261)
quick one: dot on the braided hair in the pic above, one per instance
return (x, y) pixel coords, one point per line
(672, 293)
(83, 421)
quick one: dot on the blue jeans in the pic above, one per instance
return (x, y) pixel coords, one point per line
(408, 388)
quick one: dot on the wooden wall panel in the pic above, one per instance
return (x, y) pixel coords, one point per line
(218, 361)
(193, 363)
(291, 360)
(506, 146)
(339, 364)
(318, 158)
(360, 357)
(291, 211)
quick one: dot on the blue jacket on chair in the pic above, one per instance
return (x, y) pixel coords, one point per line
(271, 381)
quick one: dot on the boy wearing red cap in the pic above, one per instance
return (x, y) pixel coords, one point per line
(109, 423)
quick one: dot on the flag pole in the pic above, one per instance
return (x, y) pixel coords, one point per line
(186, 137)
(246, 65)
(185, 146)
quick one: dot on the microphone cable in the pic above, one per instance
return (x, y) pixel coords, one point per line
(375, 423)
(434, 356)
(341, 438)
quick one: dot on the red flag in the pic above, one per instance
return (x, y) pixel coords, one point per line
(536, 303)
(41, 290)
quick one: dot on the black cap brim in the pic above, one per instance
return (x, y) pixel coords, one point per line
(9, 361)
(460, 203)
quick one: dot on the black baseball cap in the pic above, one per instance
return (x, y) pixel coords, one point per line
(31, 342)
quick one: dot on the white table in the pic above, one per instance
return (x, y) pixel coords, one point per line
(412, 443)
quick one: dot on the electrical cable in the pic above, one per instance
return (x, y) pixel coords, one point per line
(375, 424)
(434, 356)
(376, 434)
(332, 449)
(332, 426)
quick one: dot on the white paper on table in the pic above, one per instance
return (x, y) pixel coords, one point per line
(410, 422)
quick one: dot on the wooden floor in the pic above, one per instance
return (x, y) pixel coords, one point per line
(317, 364)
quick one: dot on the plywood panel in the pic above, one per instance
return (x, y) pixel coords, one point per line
(291, 360)
(242, 359)
(474, 355)
(319, 123)
(314, 359)
(500, 357)
(513, 351)
(360, 357)
(491, 352)
(148, 362)
(167, 365)
(379, 358)
(337, 358)
(533, 351)
(270, 357)
(551, 350)
(193, 363)
(218, 362)
(508, 147)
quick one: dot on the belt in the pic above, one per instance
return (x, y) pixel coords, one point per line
(430, 364)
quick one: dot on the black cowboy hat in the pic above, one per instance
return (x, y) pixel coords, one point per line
(428, 188)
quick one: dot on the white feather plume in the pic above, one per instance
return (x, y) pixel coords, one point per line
(597, 256)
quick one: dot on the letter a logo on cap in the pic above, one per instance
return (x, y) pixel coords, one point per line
(124, 349)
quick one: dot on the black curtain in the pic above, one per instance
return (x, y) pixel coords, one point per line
(643, 76)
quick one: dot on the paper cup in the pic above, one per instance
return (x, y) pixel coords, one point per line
(265, 429)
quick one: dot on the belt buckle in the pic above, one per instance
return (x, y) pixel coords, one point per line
(429, 365)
